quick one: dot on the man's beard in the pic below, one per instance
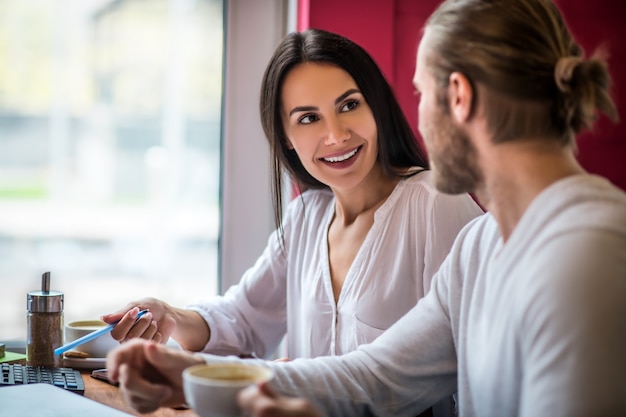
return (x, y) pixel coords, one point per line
(453, 157)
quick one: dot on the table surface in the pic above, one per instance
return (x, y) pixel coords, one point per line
(110, 395)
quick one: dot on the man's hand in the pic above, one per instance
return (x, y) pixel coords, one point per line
(260, 401)
(149, 374)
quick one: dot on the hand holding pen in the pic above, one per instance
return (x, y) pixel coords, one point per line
(158, 325)
(91, 336)
(186, 326)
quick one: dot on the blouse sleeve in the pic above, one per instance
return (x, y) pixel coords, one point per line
(385, 377)
(448, 215)
(250, 318)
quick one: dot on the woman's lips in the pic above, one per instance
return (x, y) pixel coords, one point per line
(342, 160)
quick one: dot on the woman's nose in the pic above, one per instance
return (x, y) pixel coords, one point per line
(336, 132)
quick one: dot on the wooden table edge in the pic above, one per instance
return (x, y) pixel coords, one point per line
(110, 395)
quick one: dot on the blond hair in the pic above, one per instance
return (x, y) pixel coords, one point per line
(527, 71)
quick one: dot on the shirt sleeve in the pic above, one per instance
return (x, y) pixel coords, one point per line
(404, 371)
(250, 318)
(388, 376)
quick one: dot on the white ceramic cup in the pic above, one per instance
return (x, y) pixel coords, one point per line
(97, 348)
(211, 389)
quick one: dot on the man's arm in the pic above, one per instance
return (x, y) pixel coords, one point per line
(406, 370)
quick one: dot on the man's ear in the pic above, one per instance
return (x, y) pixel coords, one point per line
(460, 97)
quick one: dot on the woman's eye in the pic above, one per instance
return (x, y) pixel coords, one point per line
(307, 119)
(350, 105)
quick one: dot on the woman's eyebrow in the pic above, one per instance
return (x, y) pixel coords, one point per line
(313, 108)
(346, 94)
(302, 108)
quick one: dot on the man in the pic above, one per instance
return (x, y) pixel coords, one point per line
(527, 315)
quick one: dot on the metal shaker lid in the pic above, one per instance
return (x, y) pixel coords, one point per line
(44, 300)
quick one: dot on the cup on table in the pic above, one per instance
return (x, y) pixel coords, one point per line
(97, 348)
(211, 389)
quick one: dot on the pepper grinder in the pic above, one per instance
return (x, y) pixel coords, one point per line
(44, 325)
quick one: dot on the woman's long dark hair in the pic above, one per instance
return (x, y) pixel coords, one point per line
(397, 146)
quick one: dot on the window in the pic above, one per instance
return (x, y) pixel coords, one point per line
(110, 115)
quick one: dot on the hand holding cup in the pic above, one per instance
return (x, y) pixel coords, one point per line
(211, 389)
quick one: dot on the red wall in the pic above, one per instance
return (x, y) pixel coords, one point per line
(390, 30)
(603, 151)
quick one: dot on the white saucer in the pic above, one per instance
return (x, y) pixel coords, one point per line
(84, 363)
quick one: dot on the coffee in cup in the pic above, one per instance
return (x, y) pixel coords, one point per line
(211, 389)
(97, 348)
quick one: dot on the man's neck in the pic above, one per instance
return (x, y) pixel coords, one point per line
(516, 173)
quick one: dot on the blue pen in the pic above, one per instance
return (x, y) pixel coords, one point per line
(89, 337)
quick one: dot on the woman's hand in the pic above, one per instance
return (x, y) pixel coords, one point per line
(158, 324)
(260, 401)
(149, 374)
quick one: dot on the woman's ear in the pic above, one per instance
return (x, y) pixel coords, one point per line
(460, 95)
(289, 144)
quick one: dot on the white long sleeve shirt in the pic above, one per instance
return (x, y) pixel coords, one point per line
(533, 327)
(290, 292)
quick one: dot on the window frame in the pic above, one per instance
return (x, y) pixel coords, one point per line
(252, 31)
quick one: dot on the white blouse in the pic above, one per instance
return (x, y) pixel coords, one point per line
(289, 291)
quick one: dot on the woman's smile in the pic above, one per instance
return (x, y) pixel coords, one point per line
(343, 159)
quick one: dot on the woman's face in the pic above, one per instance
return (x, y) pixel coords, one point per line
(329, 124)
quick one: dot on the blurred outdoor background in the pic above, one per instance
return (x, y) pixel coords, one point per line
(110, 114)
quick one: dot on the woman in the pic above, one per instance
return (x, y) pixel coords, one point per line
(358, 247)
